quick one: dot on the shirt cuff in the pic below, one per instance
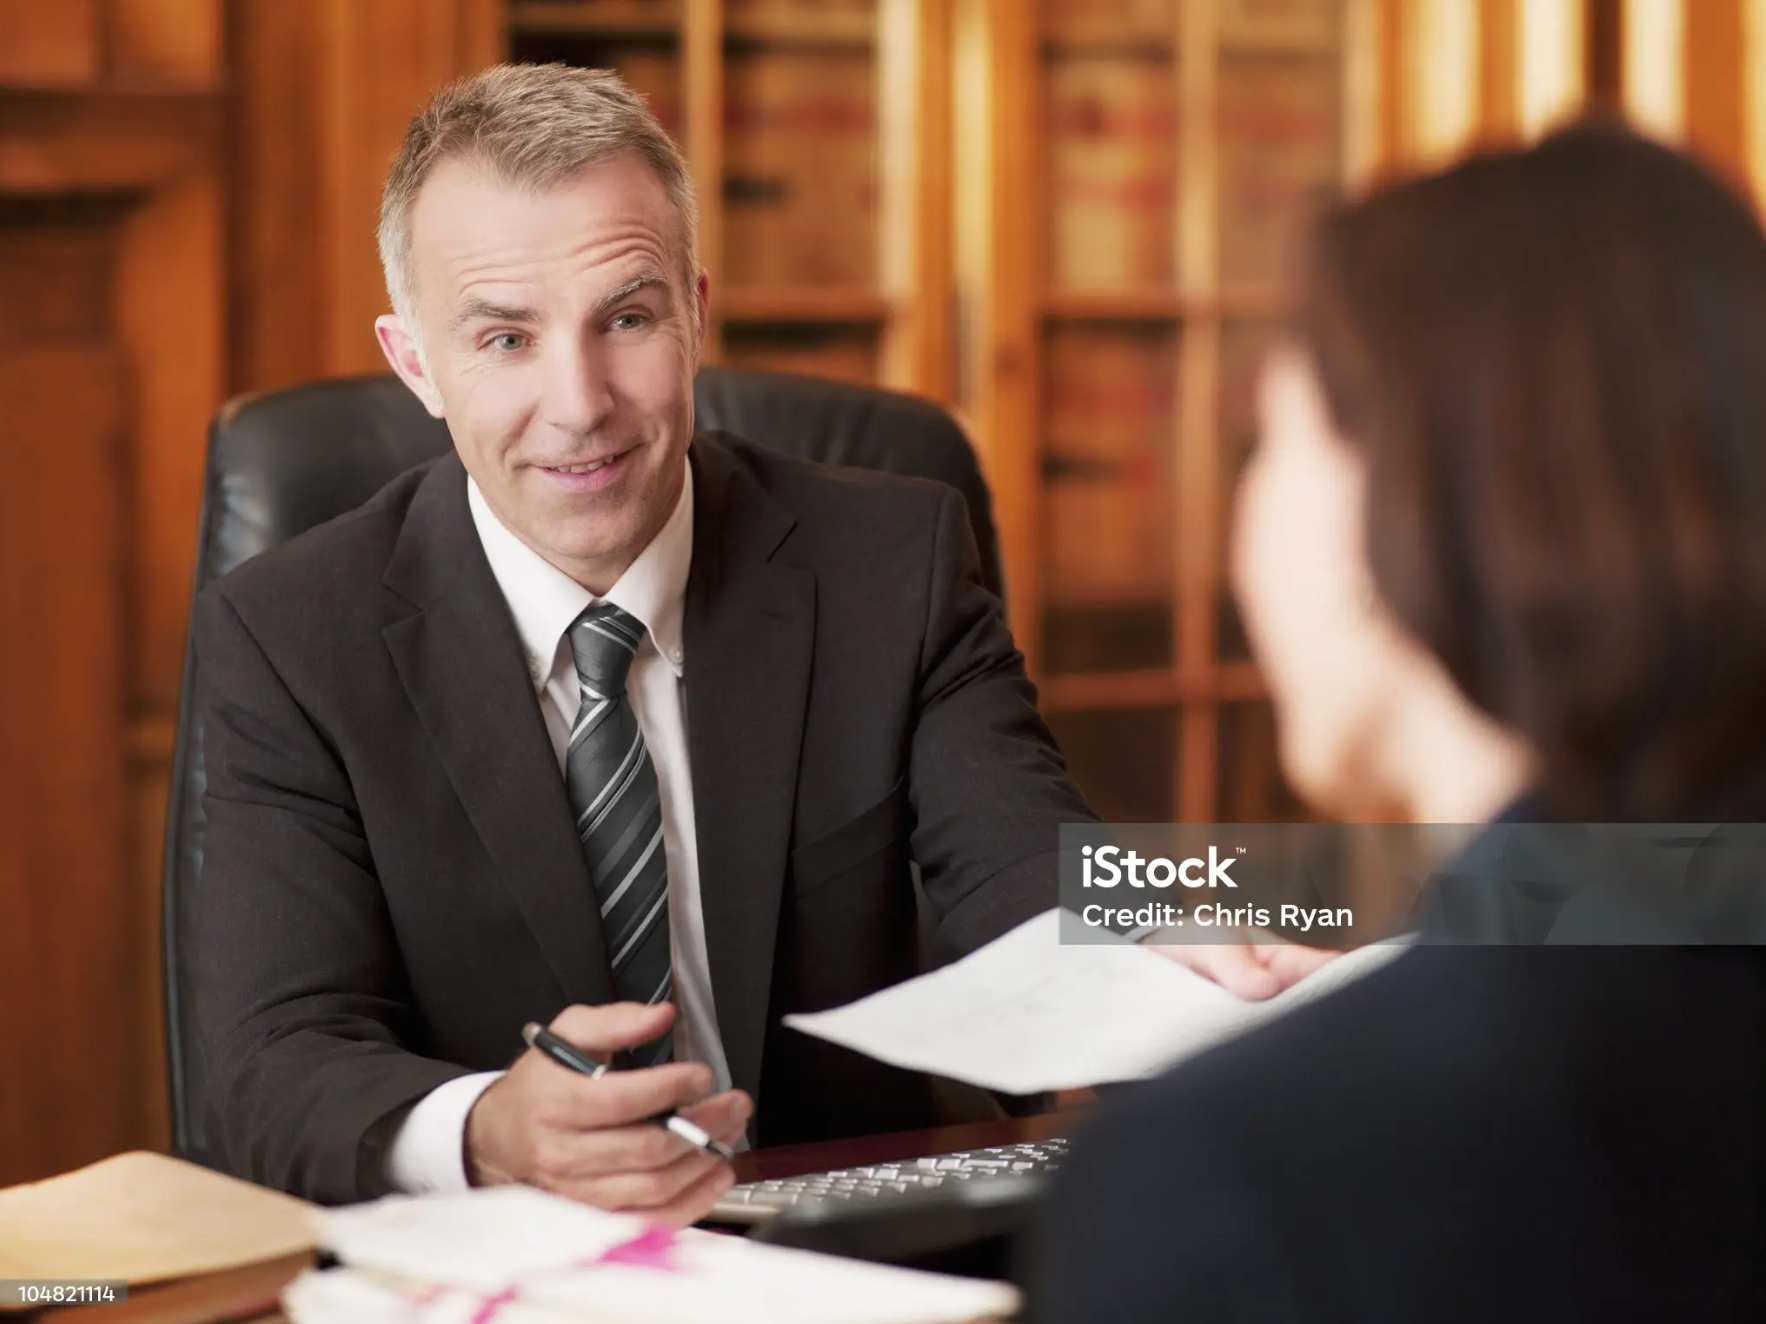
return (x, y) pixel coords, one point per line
(429, 1153)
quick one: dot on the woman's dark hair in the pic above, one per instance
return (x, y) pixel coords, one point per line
(1553, 362)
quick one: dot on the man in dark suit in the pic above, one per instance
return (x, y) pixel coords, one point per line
(595, 723)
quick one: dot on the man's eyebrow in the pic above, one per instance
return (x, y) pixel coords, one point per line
(644, 281)
(483, 310)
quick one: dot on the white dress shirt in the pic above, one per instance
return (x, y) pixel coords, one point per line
(428, 1152)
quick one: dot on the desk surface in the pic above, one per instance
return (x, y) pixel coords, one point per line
(795, 1160)
(861, 1151)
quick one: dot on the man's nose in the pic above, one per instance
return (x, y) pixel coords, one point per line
(577, 393)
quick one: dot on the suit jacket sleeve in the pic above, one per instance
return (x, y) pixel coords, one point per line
(988, 785)
(300, 992)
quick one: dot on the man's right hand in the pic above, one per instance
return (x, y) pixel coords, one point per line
(1259, 967)
(587, 1138)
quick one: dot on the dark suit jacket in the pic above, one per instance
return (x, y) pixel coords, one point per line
(393, 885)
(1473, 1133)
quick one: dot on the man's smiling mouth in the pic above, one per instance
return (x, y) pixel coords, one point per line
(587, 467)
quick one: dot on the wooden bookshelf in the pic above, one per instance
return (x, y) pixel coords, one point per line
(1131, 177)
(817, 132)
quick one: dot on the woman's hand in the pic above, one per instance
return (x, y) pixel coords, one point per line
(1259, 967)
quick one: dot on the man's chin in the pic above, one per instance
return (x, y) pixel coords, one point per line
(610, 542)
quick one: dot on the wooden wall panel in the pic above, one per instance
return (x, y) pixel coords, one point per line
(273, 297)
(914, 105)
(48, 45)
(325, 91)
(1442, 79)
(1551, 62)
(72, 1084)
(1753, 61)
(1715, 110)
(1499, 108)
(110, 366)
(1364, 91)
(1652, 36)
(1392, 41)
(998, 274)
(702, 72)
(169, 295)
(163, 44)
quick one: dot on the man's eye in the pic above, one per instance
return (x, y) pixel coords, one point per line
(629, 321)
(507, 342)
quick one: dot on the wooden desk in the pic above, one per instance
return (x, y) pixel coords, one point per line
(862, 1151)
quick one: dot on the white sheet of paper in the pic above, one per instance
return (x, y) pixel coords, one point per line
(1029, 1013)
(556, 1259)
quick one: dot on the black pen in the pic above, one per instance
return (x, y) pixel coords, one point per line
(572, 1058)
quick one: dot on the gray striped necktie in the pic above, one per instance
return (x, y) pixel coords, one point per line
(612, 788)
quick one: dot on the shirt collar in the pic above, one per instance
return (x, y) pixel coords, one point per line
(544, 600)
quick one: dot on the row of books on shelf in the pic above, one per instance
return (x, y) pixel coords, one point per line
(1108, 451)
(801, 186)
(800, 169)
(1240, 24)
(624, 15)
(1110, 400)
(1112, 143)
(1114, 166)
(800, 148)
(1294, 23)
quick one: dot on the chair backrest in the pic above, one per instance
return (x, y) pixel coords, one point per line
(283, 462)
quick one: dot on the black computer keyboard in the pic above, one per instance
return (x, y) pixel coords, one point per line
(758, 1201)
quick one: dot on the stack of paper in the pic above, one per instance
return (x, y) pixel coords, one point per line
(520, 1256)
(1029, 1013)
(191, 1244)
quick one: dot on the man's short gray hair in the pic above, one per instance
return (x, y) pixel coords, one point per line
(535, 125)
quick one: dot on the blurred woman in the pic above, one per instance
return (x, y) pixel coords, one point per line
(1502, 557)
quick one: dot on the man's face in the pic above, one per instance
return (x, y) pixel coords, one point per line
(561, 347)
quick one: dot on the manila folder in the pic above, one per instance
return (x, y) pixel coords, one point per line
(146, 1218)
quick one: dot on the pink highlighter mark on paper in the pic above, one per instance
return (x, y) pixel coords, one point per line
(653, 1248)
(492, 1306)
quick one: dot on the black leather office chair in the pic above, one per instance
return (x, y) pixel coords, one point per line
(283, 462)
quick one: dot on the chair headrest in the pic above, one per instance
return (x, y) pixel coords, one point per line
(284, 461)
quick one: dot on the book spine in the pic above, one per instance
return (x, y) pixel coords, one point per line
(1112, 135)
(1110, 405)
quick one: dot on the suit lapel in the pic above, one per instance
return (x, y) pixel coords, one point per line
(462, 665)
(749, 626)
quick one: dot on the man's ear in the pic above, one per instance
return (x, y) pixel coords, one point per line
(400, 349)
(702, 293)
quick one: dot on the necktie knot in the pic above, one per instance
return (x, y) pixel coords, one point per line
(604, 640)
